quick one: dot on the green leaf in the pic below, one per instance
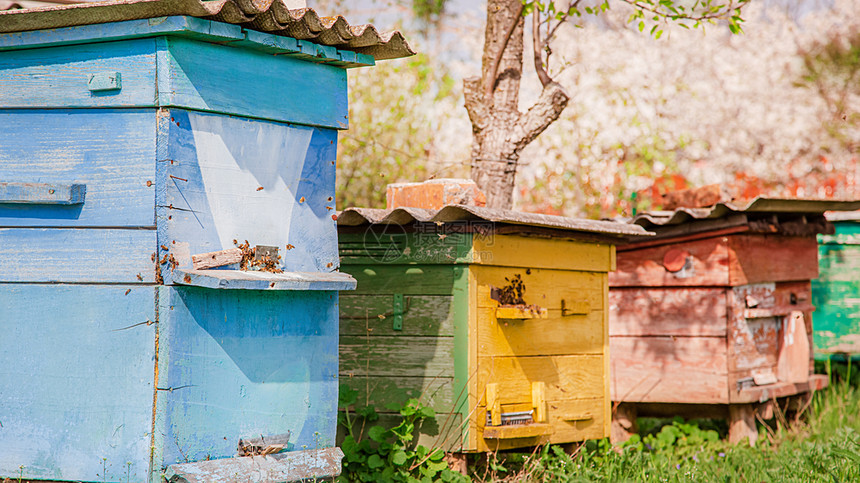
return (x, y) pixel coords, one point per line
(398, 457)
(427, 412)
(375, 461)
(641, 25)
(377, 433)
(437, 455)
(658, 34)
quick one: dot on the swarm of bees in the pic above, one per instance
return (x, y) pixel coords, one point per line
(250, 260)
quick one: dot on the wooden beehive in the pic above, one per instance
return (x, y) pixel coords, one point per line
(424, 322)
(836, 291)
(713, 318)
(130, 147)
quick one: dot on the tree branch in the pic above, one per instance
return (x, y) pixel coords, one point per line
(719, 14)
(551, 32)
(476, 106)
(490, 81)
(536, 47)
(549, 106)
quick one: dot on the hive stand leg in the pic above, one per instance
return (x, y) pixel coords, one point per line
(458, 462)
(623, 423)
(742, 423)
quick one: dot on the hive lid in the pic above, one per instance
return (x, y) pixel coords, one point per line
(247, 280)
(463, 213)
(761, 206)
(271, 16)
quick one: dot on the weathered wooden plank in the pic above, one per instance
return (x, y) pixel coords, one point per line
(838, 263)
(400, 356)
(42, 193)
(56, 147)
(403, 279)
(58, 399)
(544, 288)
(555, 335)
(566, 377)
(837, 310)
(669, 311)
(383, 392)
(520, 251)
(284, 89)
(705, 265)
(770, 258)
(372, 315)
(669, 369)
(220, 258)
(428, 244)
(570, 421)
(73, 255)
(57, 76)
(229, 178)
(232, 356)
(84, 34)
(258, 280)
(757, 394)
(303, 465)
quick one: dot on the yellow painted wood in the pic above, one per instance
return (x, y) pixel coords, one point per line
(475, 389)
(566, 377)
(520, 313)
(575, 307)
(575, 420)
(544, 288)
(612, 258)
(607, 400)
(495, 404)
(555, 335)
(521, 251)
(539, 401)
(517, 431)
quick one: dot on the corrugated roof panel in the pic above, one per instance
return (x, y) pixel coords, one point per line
(270, 16)
(758, 205)
(459, 213)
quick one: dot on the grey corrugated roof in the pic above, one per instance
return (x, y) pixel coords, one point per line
(758, 205)
(271, 16)
(455, 213)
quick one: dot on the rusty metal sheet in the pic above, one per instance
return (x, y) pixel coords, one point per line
(759, 205)
(271, 16)
(290, 466)
(463, 213)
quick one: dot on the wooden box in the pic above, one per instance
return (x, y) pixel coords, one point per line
(424, 322)
(836, 291)
(122, 159)
(713, 318)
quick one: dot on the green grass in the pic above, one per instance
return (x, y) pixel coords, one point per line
(821, 444)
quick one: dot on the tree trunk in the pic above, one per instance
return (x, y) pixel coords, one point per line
(500, 131)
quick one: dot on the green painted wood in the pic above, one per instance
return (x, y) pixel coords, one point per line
(404, 279)
(77, 255)
(383, 393)
(461, 349)
(371, 315)
(253, 84)
(836, 293)
(393, 245)
(397, 356)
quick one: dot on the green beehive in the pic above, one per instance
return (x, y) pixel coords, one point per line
(836, 292)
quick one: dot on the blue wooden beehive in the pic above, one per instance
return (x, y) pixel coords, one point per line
(129, 147)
